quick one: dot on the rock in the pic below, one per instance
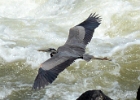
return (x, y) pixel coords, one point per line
(94, 95)
(138, 94)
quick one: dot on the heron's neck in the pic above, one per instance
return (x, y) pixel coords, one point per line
(53, 53)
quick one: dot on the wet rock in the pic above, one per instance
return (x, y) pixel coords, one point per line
(94, 95)
(138, 94)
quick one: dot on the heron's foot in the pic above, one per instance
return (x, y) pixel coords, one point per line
(105, 58)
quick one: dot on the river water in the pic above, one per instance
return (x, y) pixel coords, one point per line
(29, 25)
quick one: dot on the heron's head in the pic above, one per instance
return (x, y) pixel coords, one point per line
(51, 50)
(48, 50)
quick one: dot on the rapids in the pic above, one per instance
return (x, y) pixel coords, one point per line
(29, 25)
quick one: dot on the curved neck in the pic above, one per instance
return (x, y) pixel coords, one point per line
(53, 53)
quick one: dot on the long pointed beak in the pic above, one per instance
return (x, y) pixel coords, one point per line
(44, 50)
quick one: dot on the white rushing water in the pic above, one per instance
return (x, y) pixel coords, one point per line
(29, 25)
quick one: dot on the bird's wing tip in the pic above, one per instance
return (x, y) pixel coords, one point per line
(95, 16)
(93, 20)
(42, 79)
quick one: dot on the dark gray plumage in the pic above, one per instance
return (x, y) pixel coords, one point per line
(74, 48)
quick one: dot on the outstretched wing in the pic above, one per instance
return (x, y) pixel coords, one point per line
(81, 34)
(50, 69)
(92, 22)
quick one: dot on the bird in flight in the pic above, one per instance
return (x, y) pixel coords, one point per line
(74, 48)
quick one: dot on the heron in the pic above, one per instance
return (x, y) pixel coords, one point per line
(74, 48)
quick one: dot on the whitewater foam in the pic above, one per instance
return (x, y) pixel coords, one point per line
(29, 25)
(5, 92)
